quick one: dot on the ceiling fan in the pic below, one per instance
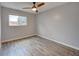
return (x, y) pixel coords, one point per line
(35, 6)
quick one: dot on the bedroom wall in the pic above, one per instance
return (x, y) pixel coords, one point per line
(0, 25)
(60, 24)
(16, 32)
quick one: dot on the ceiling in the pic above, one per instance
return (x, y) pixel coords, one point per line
(20, 5)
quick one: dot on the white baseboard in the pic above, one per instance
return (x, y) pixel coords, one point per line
(17, 38)
(60, 42)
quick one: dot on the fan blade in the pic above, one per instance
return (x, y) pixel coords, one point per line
(41, 4)
(27, 8)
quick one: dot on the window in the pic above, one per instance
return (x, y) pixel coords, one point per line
(17, 20)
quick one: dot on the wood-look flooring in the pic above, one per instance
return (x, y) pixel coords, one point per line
(36, 46)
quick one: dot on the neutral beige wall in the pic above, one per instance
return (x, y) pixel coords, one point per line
(10, 33)
(61, 24)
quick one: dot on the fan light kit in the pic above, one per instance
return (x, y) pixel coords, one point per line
(35, 6)
(34, 9)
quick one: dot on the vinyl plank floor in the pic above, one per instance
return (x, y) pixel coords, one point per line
(36, 46)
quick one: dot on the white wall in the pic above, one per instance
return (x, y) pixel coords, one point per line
(60, 24)
(16, 32)
(0, 25)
